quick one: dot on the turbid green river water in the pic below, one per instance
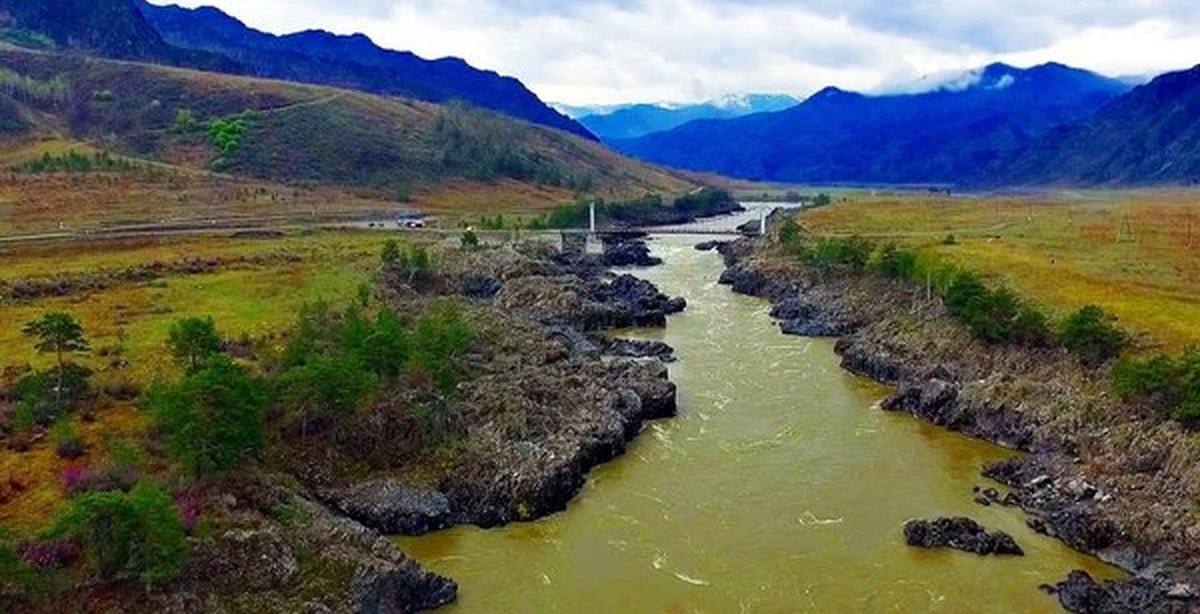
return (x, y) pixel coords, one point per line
(781, 487)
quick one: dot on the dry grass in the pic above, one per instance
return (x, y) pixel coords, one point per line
(40, 470)
(1136, 254)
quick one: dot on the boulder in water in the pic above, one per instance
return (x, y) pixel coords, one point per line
(960, 534)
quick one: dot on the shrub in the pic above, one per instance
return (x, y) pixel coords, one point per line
(1091, 334)
(469, 240)
(193, 341)
(1170, 384)
(315, 333)
(227, 133)
(995, 316)
(894, 263)
(790, 233)
(212, 419)
(384, 347)
(323, 388)
(1032, 327)
(828, 254)
(75, 162)
(138, 535)
(390, 255)
(414, 263)
(44, 396)
(439, 337)
(17, 576)
(185, 121)
(965, 295)
(67, 442)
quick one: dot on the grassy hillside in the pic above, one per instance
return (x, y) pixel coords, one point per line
(282, 141)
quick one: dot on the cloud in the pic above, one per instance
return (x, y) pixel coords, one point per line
(610, 51)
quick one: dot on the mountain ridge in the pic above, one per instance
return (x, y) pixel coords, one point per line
(835, 136)
(108, 28)
(637, 120)
(1149, 136)
(350, 61)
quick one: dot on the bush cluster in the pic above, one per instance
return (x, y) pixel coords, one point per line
(226, 133)
(212, 419)
(996, 316)
(412, 262)
(138, 535)
(1171, 384)
(1092, 335)
(75, 162)
(992, 314)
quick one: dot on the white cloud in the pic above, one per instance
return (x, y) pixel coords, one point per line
(611, 51)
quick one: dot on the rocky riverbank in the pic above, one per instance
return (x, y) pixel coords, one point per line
(1104, 478)
(543, 395)
(547, 397)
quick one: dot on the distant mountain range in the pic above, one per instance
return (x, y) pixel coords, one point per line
(941, 136)
(1149, 136)
(633, 121)
(208, 39)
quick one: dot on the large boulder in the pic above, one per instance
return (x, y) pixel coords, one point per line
(960, 534)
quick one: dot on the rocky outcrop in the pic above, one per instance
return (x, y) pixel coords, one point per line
(633, 348)
(605, 405)
(621, 252)
(484, 287)
(960, 534)
(590, 304)
(1082, 594)
(393, 507)
(751, 282)
(385, 581)
(801, 318)
(269, 563)
(549, 399)
(943, 403)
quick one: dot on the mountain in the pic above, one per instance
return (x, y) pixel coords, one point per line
(639, 120)
(108, 28)
(941, 136)
(1150, 135)
(353, 62)
(298, 134)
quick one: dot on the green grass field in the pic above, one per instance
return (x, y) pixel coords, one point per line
(244, 298)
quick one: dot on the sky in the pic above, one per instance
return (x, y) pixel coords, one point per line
(588, 52)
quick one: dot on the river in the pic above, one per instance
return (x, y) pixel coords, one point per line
(781, 487)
